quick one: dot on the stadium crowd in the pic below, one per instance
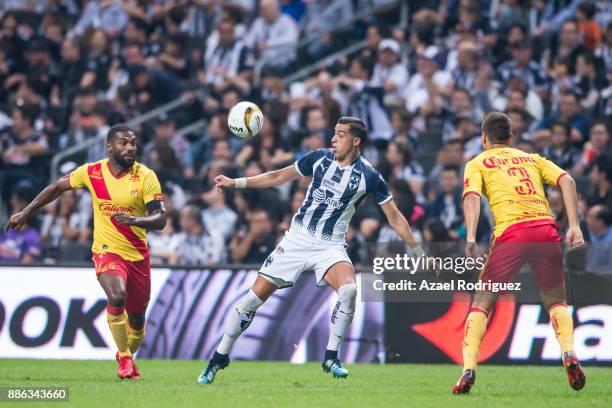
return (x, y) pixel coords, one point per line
(71, 68)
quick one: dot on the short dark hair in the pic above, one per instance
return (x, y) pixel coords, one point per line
(451, 167)
(497, 127)
(603, 163)
(566, 126)
(588, 9)
(28, 112)
(604, 215)
(357, 127)
(115, 130)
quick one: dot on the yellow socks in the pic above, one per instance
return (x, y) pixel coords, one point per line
(135, 337)
(118, 324)
(563, 325)
(475, 327)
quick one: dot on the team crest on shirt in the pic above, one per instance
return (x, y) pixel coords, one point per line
(354, 181)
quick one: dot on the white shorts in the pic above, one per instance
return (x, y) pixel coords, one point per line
(293, 255)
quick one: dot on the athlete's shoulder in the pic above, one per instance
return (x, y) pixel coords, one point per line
(371, 175)
(139, 170)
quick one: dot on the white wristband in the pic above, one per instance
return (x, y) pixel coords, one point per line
(241, 182)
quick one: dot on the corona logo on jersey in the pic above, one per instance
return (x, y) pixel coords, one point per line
(493, 162)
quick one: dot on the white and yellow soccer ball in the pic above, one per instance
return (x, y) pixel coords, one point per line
(245, 119)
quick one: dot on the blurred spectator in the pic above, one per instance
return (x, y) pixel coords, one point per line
(196, 245)
(218, 217)
(229, 62)
(570, 112)
(404, 165)
(273, 36)
(522, 66)
(447, 204)
(601, 177)
(590, 32)
(64, 224)
(24, 245)
(105, 14)
(165, 133)
(561, 152)
(20, 146)
(153, 87)
(599, 222)
(258, 242)
(426, 88)
(598, 144)
(164, 243)
(389, 73)
(569, 45)
(321, 17)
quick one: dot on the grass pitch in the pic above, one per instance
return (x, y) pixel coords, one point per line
(275, 384)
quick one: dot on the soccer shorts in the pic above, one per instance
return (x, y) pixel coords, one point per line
(537, 245)
(135, 274)
(292, 256)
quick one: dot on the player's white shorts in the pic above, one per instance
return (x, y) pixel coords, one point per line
(293, 255)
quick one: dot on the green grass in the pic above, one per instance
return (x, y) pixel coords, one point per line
(274, 384)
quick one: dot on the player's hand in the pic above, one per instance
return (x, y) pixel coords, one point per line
(574, 237)
(16, 221)
(123, 219)
(222, 182)
(471, 249)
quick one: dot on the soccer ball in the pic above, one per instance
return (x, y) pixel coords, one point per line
(245, 119)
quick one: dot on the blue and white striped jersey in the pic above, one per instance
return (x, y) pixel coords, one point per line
(333, 194)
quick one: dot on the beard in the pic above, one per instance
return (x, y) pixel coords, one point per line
(123, 162)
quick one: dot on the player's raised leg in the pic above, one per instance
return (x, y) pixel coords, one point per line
(341, 277)
(475, 328)
(114, 287)
(238, 320)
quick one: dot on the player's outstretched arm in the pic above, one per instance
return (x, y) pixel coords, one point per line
(265, 180)
(156, 220)
(400, 224)
(50, 193)
(471, 213)
(574, 236)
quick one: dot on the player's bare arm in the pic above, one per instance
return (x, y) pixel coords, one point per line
(574, 236)
(50, 193)
(156, 220)
(265, 180)
(400, 224)
(471, 213)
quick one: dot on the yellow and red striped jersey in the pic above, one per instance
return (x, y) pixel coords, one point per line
(512, 180)
(128, 194)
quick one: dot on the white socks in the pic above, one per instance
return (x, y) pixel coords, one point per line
(342, 315)
(239, 320)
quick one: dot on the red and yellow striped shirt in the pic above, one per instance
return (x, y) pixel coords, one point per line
(128, 194)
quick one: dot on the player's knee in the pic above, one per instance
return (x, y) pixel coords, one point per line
(117, 298)
(137, 320)
(347, 294)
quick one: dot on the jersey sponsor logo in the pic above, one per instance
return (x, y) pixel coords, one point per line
(337, 177)
(322, 196)
(158, 197)
(107, 208)
(494, 162)
(134, 192)
(134, 177)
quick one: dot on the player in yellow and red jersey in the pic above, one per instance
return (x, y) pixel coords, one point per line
(525, 232)
(127, 201)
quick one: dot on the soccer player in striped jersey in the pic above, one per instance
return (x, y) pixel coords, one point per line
(341, 178)
(525, 232)
(127, 201)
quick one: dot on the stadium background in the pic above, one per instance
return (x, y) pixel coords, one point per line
(420, 74)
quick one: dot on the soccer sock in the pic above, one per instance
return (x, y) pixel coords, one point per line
(135, 337)
(118, 322)
(475, 327)
(563, 324)
(341, 316)
(238, 321)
